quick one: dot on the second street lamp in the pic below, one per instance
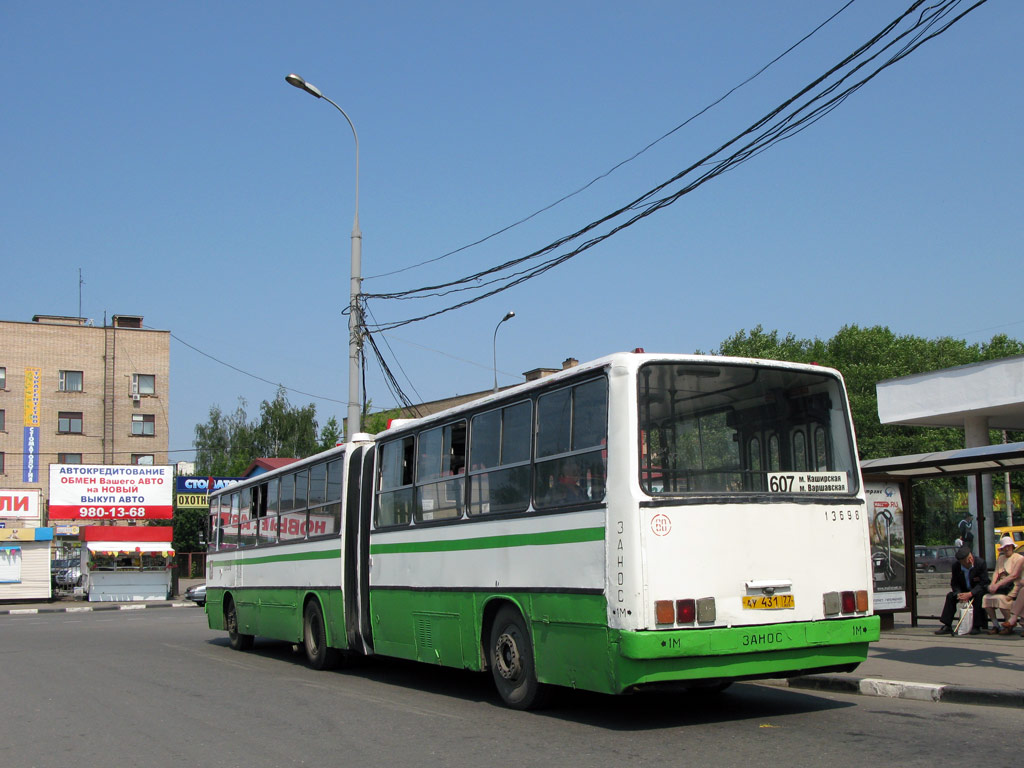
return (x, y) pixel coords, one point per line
(494, 345)
(355, 330)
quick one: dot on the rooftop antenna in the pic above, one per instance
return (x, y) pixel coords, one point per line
(81, 282)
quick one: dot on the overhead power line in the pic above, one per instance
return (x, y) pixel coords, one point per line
(618, 165)
(254, 376)
(793, 115)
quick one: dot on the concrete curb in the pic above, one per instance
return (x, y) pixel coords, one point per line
(21, 611)
(897, 689)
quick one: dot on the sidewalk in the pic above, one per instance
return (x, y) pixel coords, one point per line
(913, 663)
(68, 604)
(907, 662)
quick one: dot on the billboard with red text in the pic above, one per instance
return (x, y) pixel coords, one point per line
(117, 492)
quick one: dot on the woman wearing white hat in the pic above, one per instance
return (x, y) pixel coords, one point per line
(1004, 586)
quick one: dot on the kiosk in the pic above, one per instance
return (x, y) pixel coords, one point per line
(127, 563)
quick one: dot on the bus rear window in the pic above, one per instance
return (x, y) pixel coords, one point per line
(722, 429)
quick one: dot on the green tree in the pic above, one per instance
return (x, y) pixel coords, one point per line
(330, 434)
(285, 429)
(866, 356)
(373, 423)
(226, 444)
(189, 525)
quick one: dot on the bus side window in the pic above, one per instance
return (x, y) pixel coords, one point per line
(571, 465)
(440, 485)
(754, 476)
(293, 506)
(321, 520)
(246, 523)
(229, 521)
(821, 451)
(499, 455)
(394, 483)
(774, 454)
(213, 526)
(799, 451)
(335, 483)
(268, 530)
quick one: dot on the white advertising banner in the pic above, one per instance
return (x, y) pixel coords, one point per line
(23, 505)
(118, 492)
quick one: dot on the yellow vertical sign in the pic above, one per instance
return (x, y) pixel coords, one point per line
(32, 394)
(30, 454)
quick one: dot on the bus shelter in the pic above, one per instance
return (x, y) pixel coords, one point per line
(975, 463)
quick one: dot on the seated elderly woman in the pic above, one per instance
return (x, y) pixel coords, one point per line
(1004, 586)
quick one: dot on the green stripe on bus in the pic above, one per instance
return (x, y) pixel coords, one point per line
(291, 557)
(545, 538)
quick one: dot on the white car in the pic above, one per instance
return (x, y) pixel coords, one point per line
(69, 577)
(196, 594)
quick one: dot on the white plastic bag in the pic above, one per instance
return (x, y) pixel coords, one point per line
(966, 620)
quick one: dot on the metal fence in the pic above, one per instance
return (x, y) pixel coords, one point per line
(191, 565)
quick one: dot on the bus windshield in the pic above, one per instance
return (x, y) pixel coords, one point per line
(733, 428)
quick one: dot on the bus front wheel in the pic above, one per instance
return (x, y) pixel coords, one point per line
(512, 663)
(239, 641)
(314, 636)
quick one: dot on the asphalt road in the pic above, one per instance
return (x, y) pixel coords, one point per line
(149, 687)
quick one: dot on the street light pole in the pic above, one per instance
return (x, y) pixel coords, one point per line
(494, 345)
(355, 325)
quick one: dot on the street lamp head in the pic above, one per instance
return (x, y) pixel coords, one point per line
(302, 85)
(494, 345)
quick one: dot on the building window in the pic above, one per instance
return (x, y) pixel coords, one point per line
(69, 458)
(3, 378)
(143, 459)
(3, 420)
(2, 465)
(69, 422)
(143, 384)
(143, 424)
(70, 381)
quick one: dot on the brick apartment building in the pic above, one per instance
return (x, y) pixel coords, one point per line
(73, 393)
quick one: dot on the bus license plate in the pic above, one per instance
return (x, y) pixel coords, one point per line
(769, 602)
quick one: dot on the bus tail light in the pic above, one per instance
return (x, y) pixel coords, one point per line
(849, 602)
(862, 600)
(846, 602)
(664, 611)
(686, 611)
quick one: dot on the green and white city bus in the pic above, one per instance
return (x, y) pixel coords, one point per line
(641, 520)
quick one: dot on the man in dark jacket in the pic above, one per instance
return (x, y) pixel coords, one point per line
(969, 582)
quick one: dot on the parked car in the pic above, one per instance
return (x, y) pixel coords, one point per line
(197, 594)
(931, 559)
(69, 577)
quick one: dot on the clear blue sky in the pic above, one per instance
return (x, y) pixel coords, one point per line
(157, 147)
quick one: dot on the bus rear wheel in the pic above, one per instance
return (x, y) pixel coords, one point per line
(314, 638)
(512, 663)
(239, 641)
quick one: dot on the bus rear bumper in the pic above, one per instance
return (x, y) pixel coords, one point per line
(737, 653)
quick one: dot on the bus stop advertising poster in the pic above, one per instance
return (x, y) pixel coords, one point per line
(888, 551)
(118, 492)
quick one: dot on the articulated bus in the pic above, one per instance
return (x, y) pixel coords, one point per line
(639, 521)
